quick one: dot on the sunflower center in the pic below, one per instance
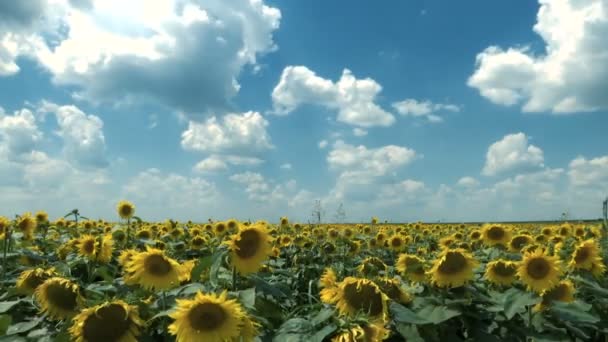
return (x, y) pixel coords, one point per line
(496, 233)
(559, 293)
(126, 210)
(108, 323)
(88, 246)
(198, 241)
(453, 263)
(503, 270)
(143, 234)
(157, 265)
(581, 255)
(248, 244)
(396, 242)
(538, 268)
(207, 316)
(60, 296)
(33, 281)
(364, 297)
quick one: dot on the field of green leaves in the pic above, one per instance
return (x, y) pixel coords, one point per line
(75, 279)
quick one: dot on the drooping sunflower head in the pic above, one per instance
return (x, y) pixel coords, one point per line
(153, 270)
(328, 248)
(495, 234)
(520, 241)
(59, 298)
(371, 266)
(539, 271)
(501, 272)
(125, 209)
(562, 292)
(26, 223)
(357, 295)
(250, 247)
(210, 317)
(412, 267)
(110, 321)
(4, 224)
(29, 280)
(364, 332)
(353, 247)
(452, 268)
(392, 288)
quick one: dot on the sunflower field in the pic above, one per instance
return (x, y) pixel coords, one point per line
(75, 279)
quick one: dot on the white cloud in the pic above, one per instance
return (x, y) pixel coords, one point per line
(354, 99)
(216, 162)
(510, 153)
(186, 55)
(569, 77)
(323, 144)
(19, 132)
(468, 182)
(358, 132)
(82, 134)
(589, 173)
(236, 133)
(372, 161)
(286, 166)
(426, 109)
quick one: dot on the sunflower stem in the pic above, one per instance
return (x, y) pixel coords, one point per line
(164, 300)
(128, 230)
(5, 252)
(234, 279)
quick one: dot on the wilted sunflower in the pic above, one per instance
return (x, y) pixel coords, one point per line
(520, 241)
(371, 266)
(585, 255)
(59, 298)
(392, 288)
(29, 280)
(250, 247)
(212, 318)
(411, 267)
(539, 271)
(110, 321)
(153, 270)
(495, 234)
(501, 272)
(355, 295)
(562, 292)
(125, 209)
(368, 332)
(452, 268)
(86, 246)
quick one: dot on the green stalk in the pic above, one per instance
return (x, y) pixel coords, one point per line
(234, 276)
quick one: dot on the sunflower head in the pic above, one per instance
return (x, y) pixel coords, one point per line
(125, 209)
(42, 217)
(520, 241)
(453, 268)
(362, 333)
(153, 270)
(328, 279)
(356, 295)
(585, 255)
(59, 298)
(110, 321)
(562, 292)
(411, 266)
(26, 223)
(495, 234)
(250, 247)
(396, 243)
(211, 317)
(86, 246)
(371, 266)
(392, 288)
(220, 228)
(501, 272)
(232, 225)
(29, 280)
(104, 248)
(539, 271)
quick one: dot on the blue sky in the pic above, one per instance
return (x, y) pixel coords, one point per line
(417, 110)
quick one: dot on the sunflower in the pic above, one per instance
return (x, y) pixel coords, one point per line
(547, 231)
(598, 269)
(412, 267)
(585, 255)
(371, 266)
(42, 217)
(250, 247)
(539, 271)
(368, 332)
(29, 280)
(562, 292)
(381, 237)
(355, 295)
(153, 270)
(125, 256)
(453, 268)
(392, 288)
(564, 230)
(212, 318)
(579, 232)
(285, 240)
(232, 225)
(396, 243)
(284, 222)
(59, 298)
(144, 233)
(104, 248)
(329, 248)
(519, 241)
(348, 233)
(495, 234)
(86, 246)
(219, 228)
(125, 209)
(501, 272)
(26, 225)
(333, 233)
(197, 242)
(328, 279)
(60, 223)
(110, 321)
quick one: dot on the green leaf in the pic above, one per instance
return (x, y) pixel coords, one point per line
(402, 314)
(575, 312)
(22, 327)
(296, 325)
(38, 333)
(247, 297)
(320, 335)
(218, 258)
(202, 264)
(323, 316)
(516, 301)
(5, 322)
(5, 306)
(162, 314)
(437, 314)
(409, 332)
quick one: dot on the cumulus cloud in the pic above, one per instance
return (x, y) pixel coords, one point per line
(425, 109)
(186, 55)
(510, 153)
(19, 132)
(354, 99)
(569, 77)
(237, 133)
(468, 182)
(216, 162)
(358, 132)
(373, 161)
(589, 173)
